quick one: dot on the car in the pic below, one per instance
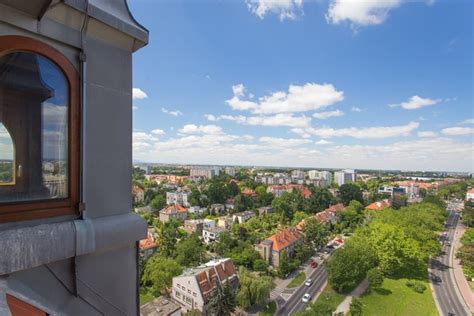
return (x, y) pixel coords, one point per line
(308, 282)
(306, 298)
(436, 279)
(314, 264)
(330, 247)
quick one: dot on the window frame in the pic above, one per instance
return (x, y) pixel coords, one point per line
(29, 210)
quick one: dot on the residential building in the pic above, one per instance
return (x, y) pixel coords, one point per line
(297, 174)
(242, 217)
(379, 205)
(230, 171)
(225, 222)
(160, 306)
(271, 248)
(138, 194)
(177, 197)
(148, 245)
(324, 177)
(169, 179)
(265, 210)
(194, 226)
(211, 234)
(278, 190)
(146, 168)
(345, 176)
(196, 210)
(249, 193)
(229, 204)
(66, 71)
(470, 195)
(217, 208)
(328, 216)
(192, 288)
(205, 172)
(175, 212)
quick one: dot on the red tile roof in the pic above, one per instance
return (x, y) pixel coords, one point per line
(136, 189)
(324, 216)
(148, 243)
(471, 191)
(290, 187)
(285, 238)
(173, 209)
(248, 191)
(379, 205)
(208, 280)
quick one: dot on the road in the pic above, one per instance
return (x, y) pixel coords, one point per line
(449, 300)
(294, 303)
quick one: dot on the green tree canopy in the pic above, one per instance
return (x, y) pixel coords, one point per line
(159, 272)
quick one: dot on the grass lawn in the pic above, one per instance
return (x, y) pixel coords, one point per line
(145, 298)
(269, 310)
(298, 280)
(330, 297)
(395, 298)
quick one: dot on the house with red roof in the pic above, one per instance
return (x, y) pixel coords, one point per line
(176, 212)
(328, 216)
(138, 194)
(148, 245)
(272, 247)
(470, 195)
(379, 205)
(278, 190)
(192, 288)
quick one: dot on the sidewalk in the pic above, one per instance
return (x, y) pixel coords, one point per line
(461, 281)
(346, 303)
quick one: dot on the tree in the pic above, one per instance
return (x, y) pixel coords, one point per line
(356, 307)
(225, 243)
(233, 189)
(355, 206)
(260, 265)
(167, 235)
(195, 197)
(264, 198)
(349, 265)
(159, 272)
(158, 202)
(216, 192)
(221, 301)
(190, 251)
(254, 289)
(349, 192)
(375, 278)
(284, 267)
(315, 232)
(319, 200)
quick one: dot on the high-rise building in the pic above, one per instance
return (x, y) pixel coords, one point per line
(324, 176)
(230, 171)
(345, 176)
(297, 174)
(206, 172)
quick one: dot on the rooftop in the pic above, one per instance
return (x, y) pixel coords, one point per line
(284, 238)
(173, 209)
(158, 307)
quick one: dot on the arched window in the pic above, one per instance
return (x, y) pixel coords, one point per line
(39, 128)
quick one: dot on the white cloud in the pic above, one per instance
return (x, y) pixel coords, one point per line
(416, 102)
(171, 112)
(281, 119)
(285, 9)
(361, 133)
(139, 94)
(468, 122)
(457, 131)
(158, 132)
(360, 12)
(328, 114)
(284, 142)
(143, 137)
(201, 129)
(356, 109)
(307, 97)
(134, 107)
(323, 142)
(426, 134)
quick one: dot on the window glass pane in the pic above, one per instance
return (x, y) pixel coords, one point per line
(7, 163)
(34, 113)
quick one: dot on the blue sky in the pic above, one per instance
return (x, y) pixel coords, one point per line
(338, 83)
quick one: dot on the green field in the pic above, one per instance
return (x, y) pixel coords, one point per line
(394, 298)
(298, 280)
(330, 298)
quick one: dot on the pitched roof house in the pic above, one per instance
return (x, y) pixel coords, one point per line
(271, 248)
(194, 286)
(176, 212)
(325, 217)
(379, 205)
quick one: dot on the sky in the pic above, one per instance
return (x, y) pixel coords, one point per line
(295, 83)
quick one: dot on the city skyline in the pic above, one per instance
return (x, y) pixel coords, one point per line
(273, 87)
